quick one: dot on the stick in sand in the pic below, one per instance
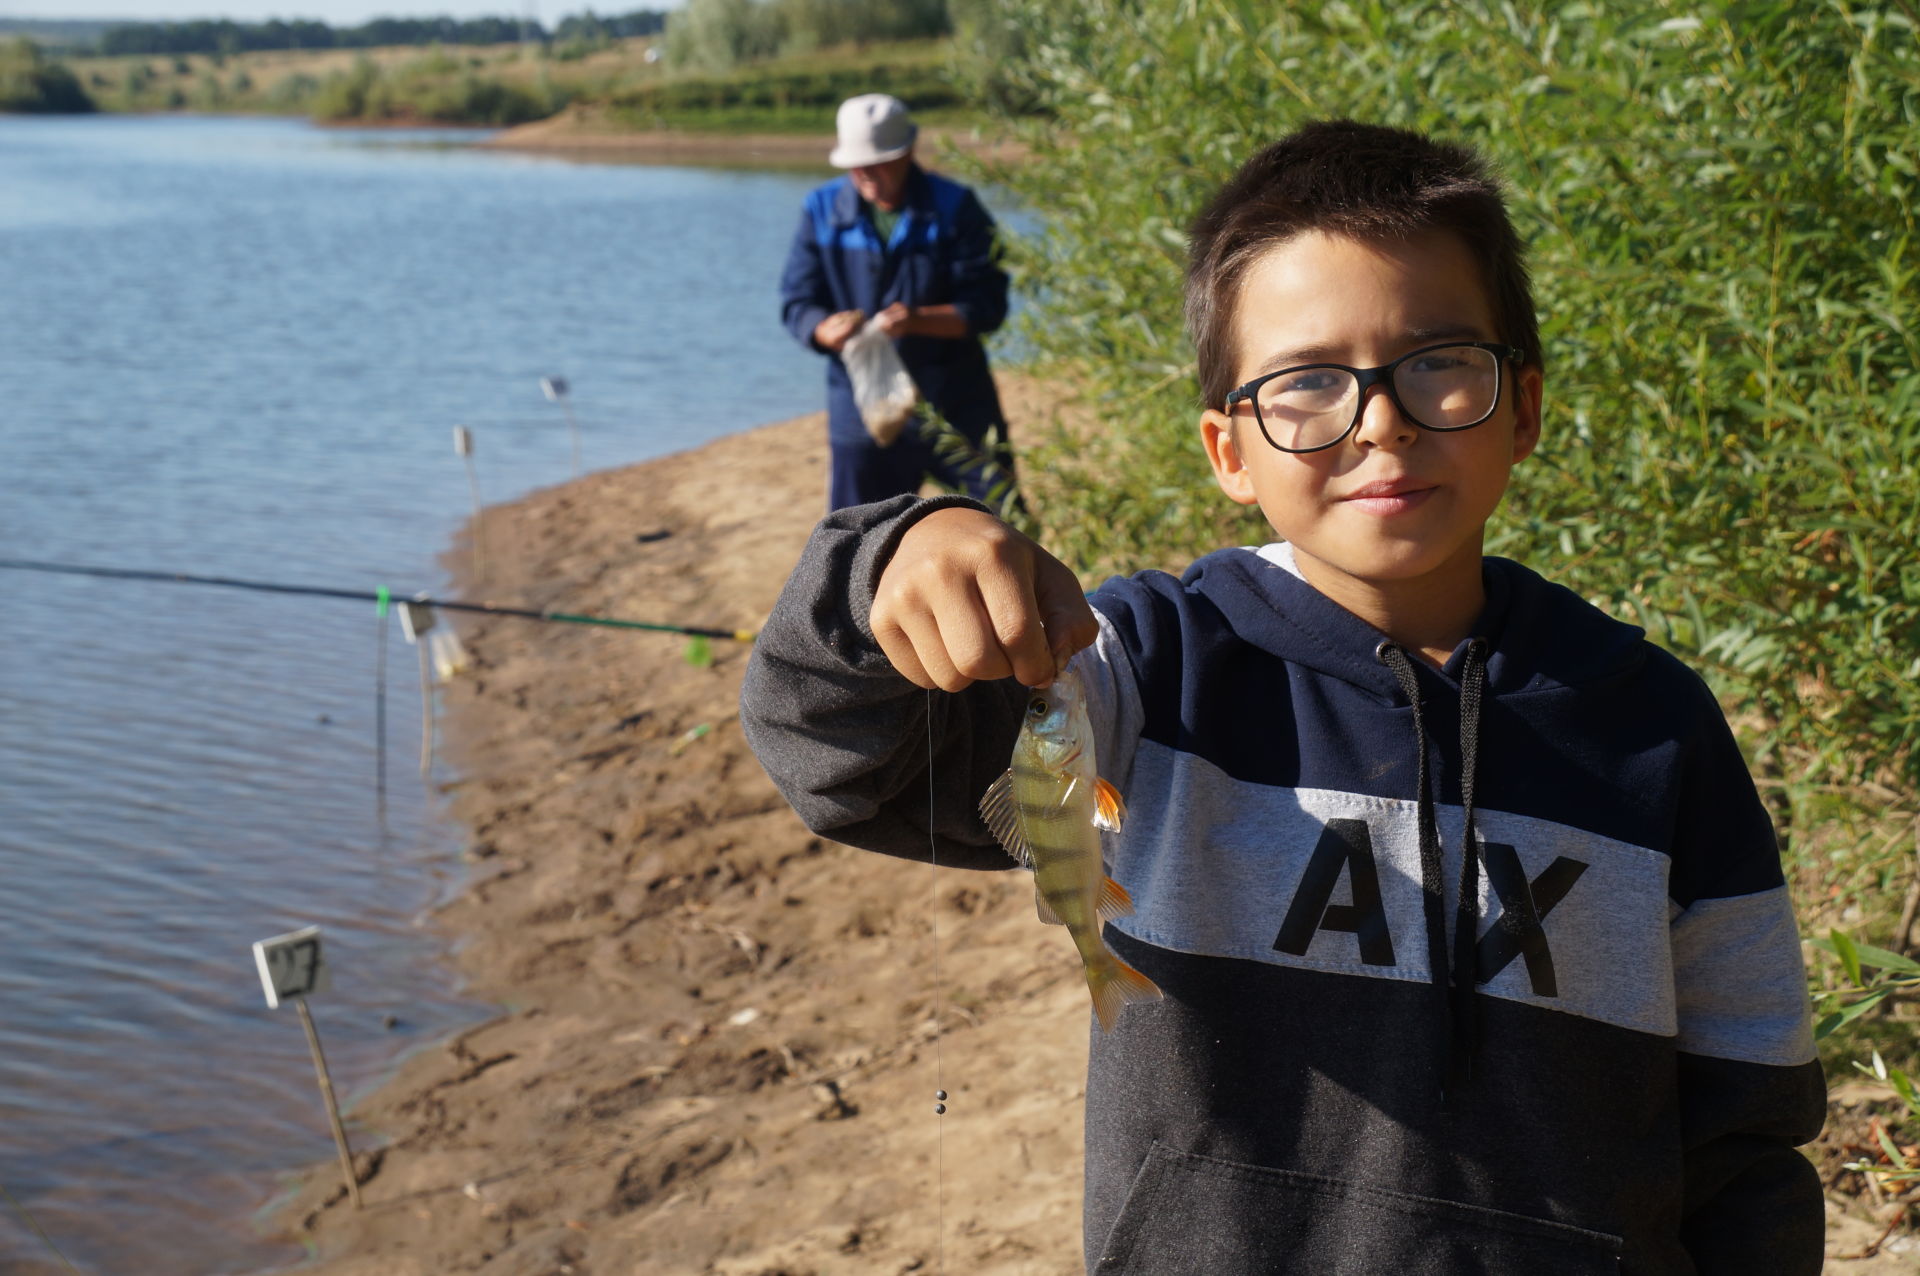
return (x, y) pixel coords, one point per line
(291, 970)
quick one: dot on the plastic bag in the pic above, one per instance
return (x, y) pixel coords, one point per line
(882, 389)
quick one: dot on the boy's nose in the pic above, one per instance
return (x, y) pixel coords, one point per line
(1382, 424)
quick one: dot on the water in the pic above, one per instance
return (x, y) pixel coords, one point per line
(239, 347)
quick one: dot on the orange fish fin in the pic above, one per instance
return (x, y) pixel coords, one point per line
(1109, 808)
(1115, 986)
(1002, 817)
(1114, 901)
(1042, 907)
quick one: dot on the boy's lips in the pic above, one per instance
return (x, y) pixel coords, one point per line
(1389, 496)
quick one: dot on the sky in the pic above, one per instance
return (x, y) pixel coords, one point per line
(334, 12)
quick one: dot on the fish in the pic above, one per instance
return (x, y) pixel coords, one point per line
(1047, 811)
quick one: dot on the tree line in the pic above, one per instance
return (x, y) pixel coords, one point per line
(228, 37)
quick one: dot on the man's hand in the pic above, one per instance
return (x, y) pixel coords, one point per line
(896, 320)
(966, 598)
(834, 331)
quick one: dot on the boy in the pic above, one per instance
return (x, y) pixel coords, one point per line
(1582, 1049)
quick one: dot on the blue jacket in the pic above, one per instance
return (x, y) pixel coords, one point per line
(1620, 1089)
(941, 252)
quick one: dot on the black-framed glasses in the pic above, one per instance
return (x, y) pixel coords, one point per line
(1311, 407)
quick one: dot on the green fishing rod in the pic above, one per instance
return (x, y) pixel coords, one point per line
(380, 596)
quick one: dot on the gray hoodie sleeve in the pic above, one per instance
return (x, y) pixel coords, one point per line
(845, 738)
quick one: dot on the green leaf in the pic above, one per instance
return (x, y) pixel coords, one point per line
(1882, 959)
(1839, 1019)
(1893, 1153)
(1849, 955)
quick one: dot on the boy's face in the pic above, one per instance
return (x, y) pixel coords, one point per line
(1391, 503)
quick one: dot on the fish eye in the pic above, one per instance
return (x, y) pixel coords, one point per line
(1036, 708)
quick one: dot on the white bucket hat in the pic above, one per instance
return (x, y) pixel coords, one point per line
(873, 128)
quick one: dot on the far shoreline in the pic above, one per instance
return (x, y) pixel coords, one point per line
(584, 132)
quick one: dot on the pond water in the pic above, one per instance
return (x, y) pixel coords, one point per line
(239, 347)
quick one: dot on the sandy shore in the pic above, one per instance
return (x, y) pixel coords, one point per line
(718, 1051)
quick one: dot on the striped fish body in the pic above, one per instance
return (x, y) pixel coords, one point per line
(1047, 811)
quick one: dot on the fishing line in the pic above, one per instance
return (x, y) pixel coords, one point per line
(362, 595)
(939, 1061)
(38, 1230)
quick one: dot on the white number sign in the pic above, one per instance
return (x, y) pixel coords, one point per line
(290, 965)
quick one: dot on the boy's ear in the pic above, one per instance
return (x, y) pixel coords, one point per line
(1529, 389)
(1223, 452)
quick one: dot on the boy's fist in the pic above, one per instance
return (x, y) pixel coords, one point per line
(966, 598)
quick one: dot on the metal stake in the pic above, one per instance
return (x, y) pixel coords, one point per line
(333, 1109)
(463, 445)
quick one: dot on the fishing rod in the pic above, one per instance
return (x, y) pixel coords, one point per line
(379, 596)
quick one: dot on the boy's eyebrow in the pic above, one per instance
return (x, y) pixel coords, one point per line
(1422, 334)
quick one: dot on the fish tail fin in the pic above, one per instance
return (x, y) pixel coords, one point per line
(1115, 986)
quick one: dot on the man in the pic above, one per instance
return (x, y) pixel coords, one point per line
(914, 251)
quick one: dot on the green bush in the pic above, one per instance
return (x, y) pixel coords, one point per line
(30, 83)
(344, 95)
(432, 89)
(1719, 201)
(292, 93)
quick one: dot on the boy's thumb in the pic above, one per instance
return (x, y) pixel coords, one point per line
(1065, 614)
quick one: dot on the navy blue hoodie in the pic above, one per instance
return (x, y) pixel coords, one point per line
(1584, 1050)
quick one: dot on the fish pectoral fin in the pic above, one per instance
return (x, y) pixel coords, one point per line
(1109, 808)
(1114, 901)
(1044, 909)
(1002, 817)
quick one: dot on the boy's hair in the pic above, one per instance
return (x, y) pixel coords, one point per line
(1362, 180)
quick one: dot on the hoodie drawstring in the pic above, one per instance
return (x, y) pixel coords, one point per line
(1453, 981)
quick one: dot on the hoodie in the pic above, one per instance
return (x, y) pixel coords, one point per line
(1583, 1049)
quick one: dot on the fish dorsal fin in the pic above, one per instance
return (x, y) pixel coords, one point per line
(1044, 909)
(1114, 900)
(1002, 817)
(1109, 808)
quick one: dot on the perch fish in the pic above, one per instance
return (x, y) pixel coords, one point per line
(1048, 810)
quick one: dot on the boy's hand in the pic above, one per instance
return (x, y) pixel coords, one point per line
(966, 598)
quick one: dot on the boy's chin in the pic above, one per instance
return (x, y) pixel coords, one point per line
(1387, 566)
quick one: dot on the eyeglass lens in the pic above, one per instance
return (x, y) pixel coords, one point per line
(1448, 388)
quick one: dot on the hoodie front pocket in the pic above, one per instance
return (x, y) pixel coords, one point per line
(1188, 1214)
